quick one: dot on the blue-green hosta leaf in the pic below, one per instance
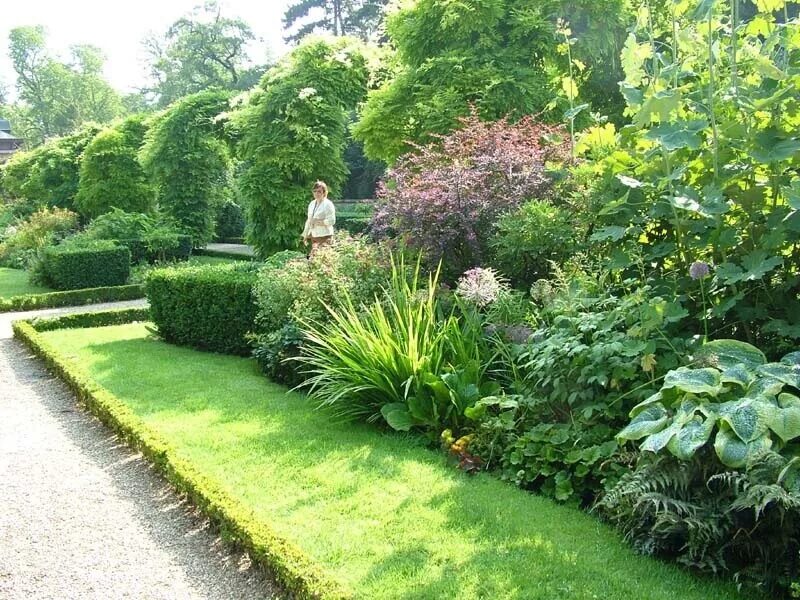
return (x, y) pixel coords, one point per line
(397, 416)
(694, 381)
(692, 436)
(645, 403)
(764, 386)
(738, 374)
(749, 418)
(786, 399)
(676, 135)
(793, 195)
(658, 441)
(687, 410)
(575, 111)
(793, 358)
(735, 453)
(789, 476)
(725, 354)
(651, 420)
(785, 422)
(788, 374)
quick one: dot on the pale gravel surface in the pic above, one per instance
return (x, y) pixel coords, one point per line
(232, 248)
(83, 517)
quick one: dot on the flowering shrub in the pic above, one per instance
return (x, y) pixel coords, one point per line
(444, 198)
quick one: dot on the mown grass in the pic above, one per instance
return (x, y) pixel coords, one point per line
(14, 282)
(381, 514)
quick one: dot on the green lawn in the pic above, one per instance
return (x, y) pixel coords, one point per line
(14, 282)
(383, 515)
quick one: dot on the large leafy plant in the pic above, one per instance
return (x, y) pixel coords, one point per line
(749, 405)
(707, 169)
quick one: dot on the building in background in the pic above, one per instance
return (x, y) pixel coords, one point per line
(8, 142)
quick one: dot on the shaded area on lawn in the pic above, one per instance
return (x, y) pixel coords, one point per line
(384, 515)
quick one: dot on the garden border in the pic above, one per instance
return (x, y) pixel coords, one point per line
(81, 297)
(297, 572)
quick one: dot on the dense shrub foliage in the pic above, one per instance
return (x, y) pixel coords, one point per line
(445, 198)
(574, 379)
(110, 173)
(189, 163)
(48, 175)
(527, 240)
(293, 132)
(72, 266)
(496, 55)
(210, 307)
(21, 243)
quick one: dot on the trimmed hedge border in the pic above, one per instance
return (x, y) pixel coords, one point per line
(296, 571)
(96, 295)
(222, 254)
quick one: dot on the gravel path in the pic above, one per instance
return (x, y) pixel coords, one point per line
(83, 517)
(232, 248)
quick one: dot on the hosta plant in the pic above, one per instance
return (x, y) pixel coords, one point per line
(732, 398)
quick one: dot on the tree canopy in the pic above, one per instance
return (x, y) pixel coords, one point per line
(360, 18)
(58, 97)
(199, 51)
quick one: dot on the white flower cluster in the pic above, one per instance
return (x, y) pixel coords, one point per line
(479, 286)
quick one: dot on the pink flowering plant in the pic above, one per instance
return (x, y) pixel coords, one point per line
(444, 198)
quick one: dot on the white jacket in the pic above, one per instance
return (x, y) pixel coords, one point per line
(325, 211)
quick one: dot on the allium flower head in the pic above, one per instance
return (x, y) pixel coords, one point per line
(479, 286)
(699, 270)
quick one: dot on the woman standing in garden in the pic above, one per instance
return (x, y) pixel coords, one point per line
(321, 218)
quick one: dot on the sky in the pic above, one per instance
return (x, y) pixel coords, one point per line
(117, 28)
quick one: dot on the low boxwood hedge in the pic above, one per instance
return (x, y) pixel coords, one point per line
(87, 265)
(72, 298)
(210, 307)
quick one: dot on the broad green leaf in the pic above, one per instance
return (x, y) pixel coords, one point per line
(729, 273)
(749, 418)
(788, 374)
(575, 111)
(645, 403)
(692, 436)
(651, 420)
(793, 358)
(738, 374)
(475, 412)
(785, 400)
(629, 182)
(703, 10)
(769, 6)
(725, 354)
(661, 104)
(694, 381)
(789, 476)
(633, 95)
(764, 386)
(756, 265)
(658, 441)
(785, 421)
(397, 416)
(632, 57)
(680, 134)
(774, 146)
(735, 453)
(612, 232)
(764, 66)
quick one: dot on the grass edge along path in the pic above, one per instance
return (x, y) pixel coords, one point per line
(301, 575)
(82, 297)
(293, 569)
